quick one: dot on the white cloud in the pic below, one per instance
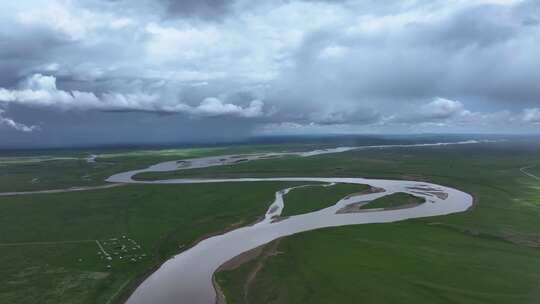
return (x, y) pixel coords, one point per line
(40, 82)
(442, 108)
(186, 43)
(215, 107)
(442, 112)
(333, 51)
(50, 67)
(121, 23)
(531, 115)
(6, 121)
(70, 21)
(57, 18)
(438, 110)
(40, 90)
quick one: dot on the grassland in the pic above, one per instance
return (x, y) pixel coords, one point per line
(534, 170)
(394, 263)
(394, 200)
(48, 249)
(313, 198)
(487, 255)
(52, 169)
(505, 197)
(69, 169)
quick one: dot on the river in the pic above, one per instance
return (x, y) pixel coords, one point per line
(188, 277)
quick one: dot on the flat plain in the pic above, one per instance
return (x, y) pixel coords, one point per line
(50, 243)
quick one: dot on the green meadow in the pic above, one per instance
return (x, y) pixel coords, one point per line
(48, 249)
(312, 198)
(57, 169)
(394, 200)
(409, 262)
(489, 254)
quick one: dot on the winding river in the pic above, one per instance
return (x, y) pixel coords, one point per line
(188, 276)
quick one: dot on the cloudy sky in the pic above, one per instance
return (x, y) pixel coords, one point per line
(121, 71)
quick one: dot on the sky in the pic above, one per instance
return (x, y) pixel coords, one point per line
(161, 71)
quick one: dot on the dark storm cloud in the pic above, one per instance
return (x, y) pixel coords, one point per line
(204, 9)
(118, 128)
(481, 27)
(21, 52)
(330, 65)
(481, 52)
